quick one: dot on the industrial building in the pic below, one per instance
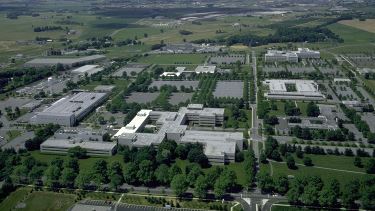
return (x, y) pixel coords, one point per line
(93, 148)
(66, 62)
(291, 56)
(182, 71)
(219, 147)
(69, 110)
(293, 90)
(87, 69)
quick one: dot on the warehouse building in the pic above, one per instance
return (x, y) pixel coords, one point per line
(87, 69)
(290, 56)
(66, 62)
(205, 69)
(220, 147)
(70, 109)
(293, 90)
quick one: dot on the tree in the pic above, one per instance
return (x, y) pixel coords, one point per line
(130, 174)
(310, 195)
(68, 176)
(83, 179)
(196, 155)
(368, 194)
(162, 174)
(72, 163)
(201, 187)
(106, 137)
(350, 193)
(100, 172)
(77, 152)
(52, 174)
(358, 161)
(290, 162)
(115, 175)
(179, 184)
(263, 158)
(36, 173)
(307, 161)
(220, 187)
(329, 194)
(193, 172)
(370, 166)
(282, 185)
(181, 151)
(312, 110)
(145, 173)
(265, 182)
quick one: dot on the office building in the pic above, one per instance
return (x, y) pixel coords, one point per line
(291, 56)
(293, 90)
(220, 147)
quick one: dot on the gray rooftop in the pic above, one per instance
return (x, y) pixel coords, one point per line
(69, 143)
(64, 61)
(73, 104)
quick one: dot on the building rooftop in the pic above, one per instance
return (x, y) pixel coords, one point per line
(89, 69)
(73, 104)
(135, 124)
(70, 143)
(63, 60)
(205, 69)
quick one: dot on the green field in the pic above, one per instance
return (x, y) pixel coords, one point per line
(326, 161)
(291, 208)
(38, 200)
(182, 59)
(281, 111)
(352, 35)
(84, 164)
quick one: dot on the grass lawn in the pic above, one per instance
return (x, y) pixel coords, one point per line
(282, 169)
(84, 164)
(367, 25)
(370, 84)
(12, 134)
(280, 109)
(38, 200)
(182, 59)
(12, 200)
(49, 201)
(333, 161)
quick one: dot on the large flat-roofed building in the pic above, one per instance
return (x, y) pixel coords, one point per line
(290, 56)
(280, 56)
(93, 148)
(87, 69)
(293, 89)
(70, 109)
(205, 69)
(66, 62)
(174, 126)
(305, 53)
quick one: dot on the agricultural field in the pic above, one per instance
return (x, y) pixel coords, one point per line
(352, 35)
(367, 25)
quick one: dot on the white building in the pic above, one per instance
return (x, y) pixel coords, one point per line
(205, 69)
(291, 56)
(93, 148)
(87, 69)
(70, 109)
(220, 147)
(293, 89)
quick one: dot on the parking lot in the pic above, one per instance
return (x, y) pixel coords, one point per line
(130, 69)
(178, 84)
(142, 97)
(177, 98)
(227, 59)
(345, 92)
(229, 89)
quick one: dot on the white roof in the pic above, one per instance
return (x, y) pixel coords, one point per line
(205, 69)
(90, 69)
(135, 124)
